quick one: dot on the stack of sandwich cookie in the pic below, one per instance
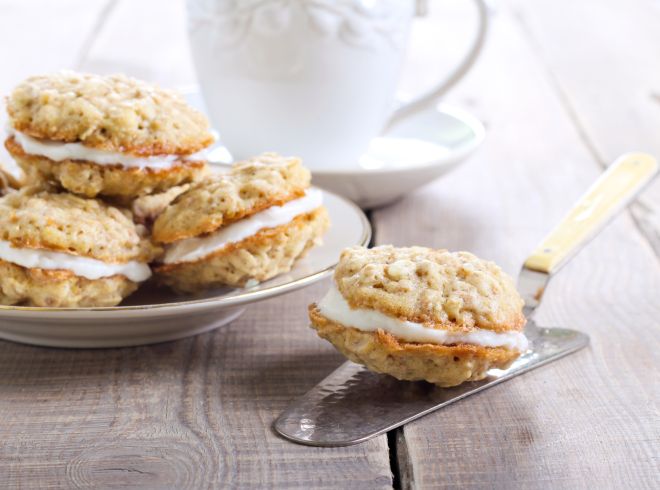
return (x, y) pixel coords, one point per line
(111, 136)
(115, 141)
(8, 180)
(61, 250)
(242, 227)
(147, 208)
(5, 183)
(422, 314)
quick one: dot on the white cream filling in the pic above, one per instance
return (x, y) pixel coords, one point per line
(58, 152)
(334, 307)
(192, 249)
(81, 266)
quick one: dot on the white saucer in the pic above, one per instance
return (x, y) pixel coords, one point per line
(413, 153)
(157, 315)
(418, 150)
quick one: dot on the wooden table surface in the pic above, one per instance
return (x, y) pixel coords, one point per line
(563, 88)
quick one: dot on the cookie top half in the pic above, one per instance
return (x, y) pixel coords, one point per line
(455, 291)
(61, 222)
(113, 113)
(249, 187)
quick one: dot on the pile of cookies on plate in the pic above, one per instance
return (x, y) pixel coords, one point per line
(117, 190)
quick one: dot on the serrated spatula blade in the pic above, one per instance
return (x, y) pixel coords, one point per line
(353, 404)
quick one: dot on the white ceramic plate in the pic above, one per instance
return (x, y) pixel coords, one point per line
(418, 150)
(156, 315)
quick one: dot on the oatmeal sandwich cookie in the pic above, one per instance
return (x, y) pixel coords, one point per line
(422, 314)
(105, 135)
(9, 181)
(60, 250)
(247, 225)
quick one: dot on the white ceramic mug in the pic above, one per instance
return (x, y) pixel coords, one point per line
(314, 78)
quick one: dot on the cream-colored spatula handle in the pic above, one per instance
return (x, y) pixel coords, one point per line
(618, 185)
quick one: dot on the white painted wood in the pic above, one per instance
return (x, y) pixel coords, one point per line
(602, 57)
(146, 39)
(195, 413)
(563, 88)
(190, 414)
(586, 421)
(41, 36)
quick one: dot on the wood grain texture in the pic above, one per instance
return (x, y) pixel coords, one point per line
(196, 413)
(587, 421)
(146, 39)
(190, 414)
(40, 36)
(601, 57)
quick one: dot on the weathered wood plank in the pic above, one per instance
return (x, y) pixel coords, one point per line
(195, 413)
(145, 39)
(603, 61)
(190, 414)
(587, 420)
(41, 36)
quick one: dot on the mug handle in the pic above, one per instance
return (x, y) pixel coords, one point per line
(430, 96)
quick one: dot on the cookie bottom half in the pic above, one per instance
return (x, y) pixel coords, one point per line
(59, 288)
(260, 257)
(442, 365)
(90, 179)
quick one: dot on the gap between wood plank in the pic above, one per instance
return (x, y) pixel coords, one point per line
(400, 464)
(395, 438)
(640, 214)
(537, 50)
(101, 20)
(369, 214)
(405, 470)
(637, 210)
(394, 461)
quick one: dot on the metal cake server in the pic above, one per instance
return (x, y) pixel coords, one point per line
(353, 404)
